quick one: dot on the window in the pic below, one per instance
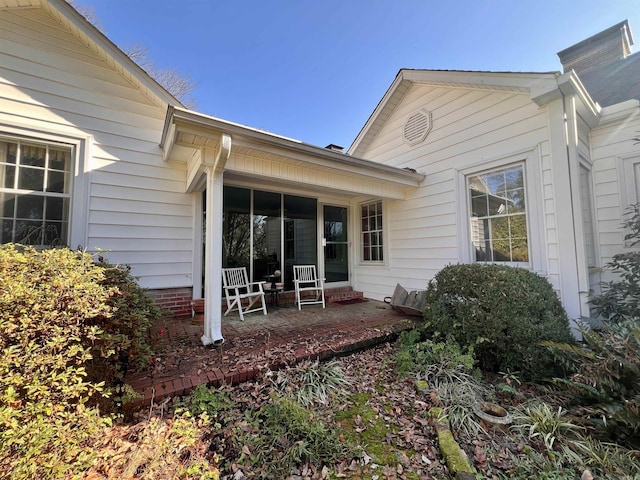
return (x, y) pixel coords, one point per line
(371, 218)
(587, 215)
(35, 192)
(498, 215)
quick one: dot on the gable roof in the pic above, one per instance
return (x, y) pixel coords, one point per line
(100, 45)
(533, 83)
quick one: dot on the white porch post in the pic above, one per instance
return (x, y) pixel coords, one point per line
(213, 260)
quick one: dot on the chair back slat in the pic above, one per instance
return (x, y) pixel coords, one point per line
(305, 273)
(235, 277)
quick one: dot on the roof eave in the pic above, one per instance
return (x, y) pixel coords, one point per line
(183, 117)
(95, 36)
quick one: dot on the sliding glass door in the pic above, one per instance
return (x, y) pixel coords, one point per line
(268, 231)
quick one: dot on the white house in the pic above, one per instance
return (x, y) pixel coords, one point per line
(528, 169)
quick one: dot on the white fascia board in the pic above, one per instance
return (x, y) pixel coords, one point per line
(99, 40)
(393, 91)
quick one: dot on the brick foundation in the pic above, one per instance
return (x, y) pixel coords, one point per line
(175, 300)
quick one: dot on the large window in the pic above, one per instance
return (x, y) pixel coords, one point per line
(268, 231)
(371, 231)
(35, 192)
(499, 216)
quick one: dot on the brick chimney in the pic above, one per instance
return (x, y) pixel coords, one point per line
(610, 45)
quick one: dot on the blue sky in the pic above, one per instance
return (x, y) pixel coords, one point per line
(315, 70)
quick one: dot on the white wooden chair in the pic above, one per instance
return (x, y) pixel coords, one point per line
(305, 280)
(241, 294)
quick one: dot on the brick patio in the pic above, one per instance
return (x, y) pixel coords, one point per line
(283, 337)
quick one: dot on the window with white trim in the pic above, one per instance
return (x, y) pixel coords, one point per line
(35, 192)
(499, 215)
(371, 232)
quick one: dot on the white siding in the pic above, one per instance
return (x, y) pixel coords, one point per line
(51, 83)
(614, 155)
(470, 127)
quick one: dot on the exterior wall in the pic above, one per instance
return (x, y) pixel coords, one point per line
(472, 129)
(127, 200)
(616, 175)
(175, 300)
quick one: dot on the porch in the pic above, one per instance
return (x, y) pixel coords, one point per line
(283, 337)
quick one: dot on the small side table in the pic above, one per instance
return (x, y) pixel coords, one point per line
(273, 295)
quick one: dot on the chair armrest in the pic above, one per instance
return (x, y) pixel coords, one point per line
(256, 283)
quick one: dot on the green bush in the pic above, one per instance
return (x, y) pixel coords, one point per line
(124, 342)
(67, 326)
(45, 299)
(620, 299)
(502, 312)
(606, 379)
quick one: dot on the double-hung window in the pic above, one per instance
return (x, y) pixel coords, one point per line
(371, 231)
(499, 215)
(35, 192)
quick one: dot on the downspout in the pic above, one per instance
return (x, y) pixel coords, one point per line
(214, 168)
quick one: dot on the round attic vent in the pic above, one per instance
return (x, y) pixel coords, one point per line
(417, 127)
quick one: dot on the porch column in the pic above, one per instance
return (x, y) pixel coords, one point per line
(213, 260)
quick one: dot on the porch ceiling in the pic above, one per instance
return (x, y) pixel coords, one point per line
(193, 138)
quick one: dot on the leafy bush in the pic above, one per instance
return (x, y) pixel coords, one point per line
(502, 312)
(607, 364)
(620, 299)
(44, 419)
(607, 379)
(431, 358)
(66, 327)
(124, 342)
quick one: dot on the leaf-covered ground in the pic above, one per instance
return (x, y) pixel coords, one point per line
(377, 428)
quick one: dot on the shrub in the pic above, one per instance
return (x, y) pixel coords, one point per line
(620, 299)
(46, 342)
(124, 342)
(607, 379)
(66, 328)
(502, 312)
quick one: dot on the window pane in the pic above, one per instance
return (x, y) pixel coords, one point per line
(6, 230)
(55, 233)
(60, 159)
(479, 206)
(236, 227)
(57, 182)
(30, 207)
(32, 155)
(7, 204)
(56, 208)
(7, 176)
(29, 232)
(266, 234)
(31, 179)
